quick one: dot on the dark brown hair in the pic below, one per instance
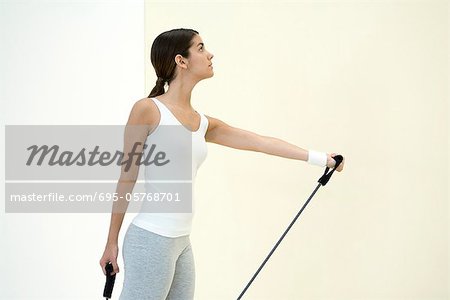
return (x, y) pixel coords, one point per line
(165, 47)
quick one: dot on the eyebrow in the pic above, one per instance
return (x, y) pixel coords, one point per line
(200, 44)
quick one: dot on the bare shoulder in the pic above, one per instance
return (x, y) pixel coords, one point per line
(214, 128)
(144, 111)
(212, 122)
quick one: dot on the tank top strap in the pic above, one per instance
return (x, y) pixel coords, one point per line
(167, 118)
(203, 123)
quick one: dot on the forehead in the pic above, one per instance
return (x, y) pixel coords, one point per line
(196, 40)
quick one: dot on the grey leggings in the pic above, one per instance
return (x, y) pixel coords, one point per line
(157, 267)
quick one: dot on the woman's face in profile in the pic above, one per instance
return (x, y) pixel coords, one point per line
(200, 62)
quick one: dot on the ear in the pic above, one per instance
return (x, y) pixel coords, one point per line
(181, 61)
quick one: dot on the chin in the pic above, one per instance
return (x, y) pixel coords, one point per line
(211, 75)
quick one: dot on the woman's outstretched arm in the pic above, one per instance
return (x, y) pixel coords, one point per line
(223, 134)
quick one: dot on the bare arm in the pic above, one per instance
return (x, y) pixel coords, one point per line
(143, 116)
(223, 134)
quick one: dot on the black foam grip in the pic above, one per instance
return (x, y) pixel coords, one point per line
(327, 175)
(338, 159)
(110, 279)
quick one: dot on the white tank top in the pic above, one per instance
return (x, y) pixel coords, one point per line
(176, 224)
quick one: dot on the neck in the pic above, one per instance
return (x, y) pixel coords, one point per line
(179, 93)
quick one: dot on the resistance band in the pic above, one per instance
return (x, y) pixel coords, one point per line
(322, 181)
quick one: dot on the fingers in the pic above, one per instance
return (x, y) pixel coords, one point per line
(110, 256)
(341, 165)
(103, 264)
(115, 267)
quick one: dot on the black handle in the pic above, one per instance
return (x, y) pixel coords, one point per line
(326, 177)
(338, 159)
(109, 285)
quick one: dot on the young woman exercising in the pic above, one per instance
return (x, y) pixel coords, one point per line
(157, 254)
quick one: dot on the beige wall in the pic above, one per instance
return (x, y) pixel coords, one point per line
(367, 79)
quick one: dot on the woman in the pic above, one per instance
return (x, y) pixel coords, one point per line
(158, 258)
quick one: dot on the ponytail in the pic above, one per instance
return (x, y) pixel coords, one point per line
(158, 89)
